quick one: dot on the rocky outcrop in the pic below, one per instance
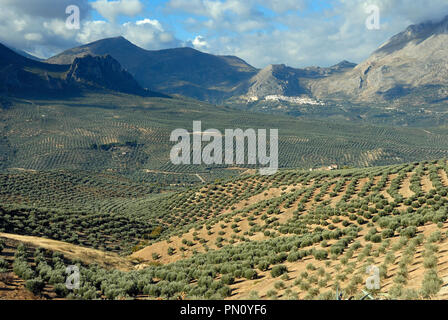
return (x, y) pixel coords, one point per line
(102, 72)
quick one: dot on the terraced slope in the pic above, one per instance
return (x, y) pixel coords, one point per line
(292, 202)
(296, 234)
(391, 217)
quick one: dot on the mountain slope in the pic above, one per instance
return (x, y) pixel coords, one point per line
(22, 76)
(183, 71)
(410, 63)
(276, 80)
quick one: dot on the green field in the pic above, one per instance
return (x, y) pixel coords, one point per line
(130, 135)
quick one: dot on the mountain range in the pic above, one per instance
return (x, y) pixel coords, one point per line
(183, 71)
(22, 76)
(199, 75)
(411, 67)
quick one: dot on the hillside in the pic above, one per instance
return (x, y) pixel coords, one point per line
(296, 234)
(370, 208)
(184, 71)
(20, 75)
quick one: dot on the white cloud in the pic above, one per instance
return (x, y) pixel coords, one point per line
(199, 43)
(286, 5)
(41, 29)
(413, 11)
(222, 16)
(259, 31)
(148, 34)
(58, 28)
(112, 9)
(294, 33)
(19, 24)
(38, 27)
(156, 24)
(46, 8)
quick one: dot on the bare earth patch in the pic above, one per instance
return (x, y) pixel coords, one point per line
(443, 177)
(106, 259)
(405, 189)
(426, 184)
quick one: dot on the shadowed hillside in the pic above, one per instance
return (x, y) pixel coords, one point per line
(23, 77)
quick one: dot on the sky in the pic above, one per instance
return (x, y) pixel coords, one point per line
(297, 33)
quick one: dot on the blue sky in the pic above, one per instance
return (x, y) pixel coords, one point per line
(298, 33)
(155, 9)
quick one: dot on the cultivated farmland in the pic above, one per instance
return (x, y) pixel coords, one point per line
(297, 234)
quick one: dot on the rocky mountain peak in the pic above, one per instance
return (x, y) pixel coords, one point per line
(415, 60)
(103, 72)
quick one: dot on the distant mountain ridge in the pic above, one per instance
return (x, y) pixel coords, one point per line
(199, 75)
(184, 71)
(410, 68)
